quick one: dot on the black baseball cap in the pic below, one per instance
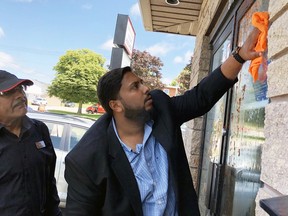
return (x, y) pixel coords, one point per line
(9, 81)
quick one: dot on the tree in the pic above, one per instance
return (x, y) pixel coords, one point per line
(77, 74)
(147, 67)
(183, 79)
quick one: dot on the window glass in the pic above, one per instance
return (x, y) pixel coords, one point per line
(166, 91)
(246, 134)
(76, 135)
(56, 132)
(214, 128)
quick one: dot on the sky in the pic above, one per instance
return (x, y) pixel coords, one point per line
(34, 34)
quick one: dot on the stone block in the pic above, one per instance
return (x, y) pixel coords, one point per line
(196, 124)
(194, 174)
(277, 77)
(204, 64)
(261, 195)
(274, 150)
(277, 6)
(278, 35)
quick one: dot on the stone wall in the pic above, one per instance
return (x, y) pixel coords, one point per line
(274, 153)
(200, 68)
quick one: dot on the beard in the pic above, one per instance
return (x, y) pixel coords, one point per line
(136, 114)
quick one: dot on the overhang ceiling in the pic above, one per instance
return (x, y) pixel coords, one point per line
(179, 19)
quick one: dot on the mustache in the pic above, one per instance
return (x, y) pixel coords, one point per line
(20, 102)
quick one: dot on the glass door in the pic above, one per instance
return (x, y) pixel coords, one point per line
(234, 133)
(246, 134)
(213, 142)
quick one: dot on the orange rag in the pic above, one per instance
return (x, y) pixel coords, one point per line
(259, 20)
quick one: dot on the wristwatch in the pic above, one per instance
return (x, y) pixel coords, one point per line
(237, 57)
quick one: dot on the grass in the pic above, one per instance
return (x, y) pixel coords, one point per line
(88, 116)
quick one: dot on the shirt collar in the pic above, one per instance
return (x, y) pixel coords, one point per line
(26, 124)
(147, 132)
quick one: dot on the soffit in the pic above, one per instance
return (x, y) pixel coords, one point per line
(180, 19)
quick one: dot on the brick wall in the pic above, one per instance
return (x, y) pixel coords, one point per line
(274, 152)
(200, 68)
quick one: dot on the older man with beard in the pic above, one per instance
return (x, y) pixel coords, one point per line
(27, 157)
(132, 161)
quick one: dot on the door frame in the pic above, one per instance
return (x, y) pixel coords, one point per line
(221, 26)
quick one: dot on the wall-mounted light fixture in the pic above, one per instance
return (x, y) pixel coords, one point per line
(172, 2)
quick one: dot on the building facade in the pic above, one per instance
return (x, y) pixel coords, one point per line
(171, 90)
(237, 151)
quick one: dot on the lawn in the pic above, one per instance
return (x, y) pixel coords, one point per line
(88, 116)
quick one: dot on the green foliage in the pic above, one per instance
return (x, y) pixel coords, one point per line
(77, 74)
(148, 68)
(174, 83)
(183, 79)
(87, 116)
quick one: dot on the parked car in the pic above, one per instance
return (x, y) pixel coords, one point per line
(95, 108)
(69, 104)
(65, 132)
(39, 101)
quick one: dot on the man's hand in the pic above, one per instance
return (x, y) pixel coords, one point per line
(230, 68)
(247, 51)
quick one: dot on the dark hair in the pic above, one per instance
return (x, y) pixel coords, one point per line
(109, 86)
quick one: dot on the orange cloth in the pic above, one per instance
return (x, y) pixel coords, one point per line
(259, 20)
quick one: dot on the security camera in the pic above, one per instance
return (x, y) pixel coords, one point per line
(172, 2)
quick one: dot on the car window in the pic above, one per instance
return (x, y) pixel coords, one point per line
(76, 135)
(56, 132)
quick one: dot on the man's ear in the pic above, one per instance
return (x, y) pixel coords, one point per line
(115, 105)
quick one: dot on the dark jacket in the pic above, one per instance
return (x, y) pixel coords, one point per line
(27, 164)
(100, 179)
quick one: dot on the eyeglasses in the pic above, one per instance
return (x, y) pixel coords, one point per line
(19, 88)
